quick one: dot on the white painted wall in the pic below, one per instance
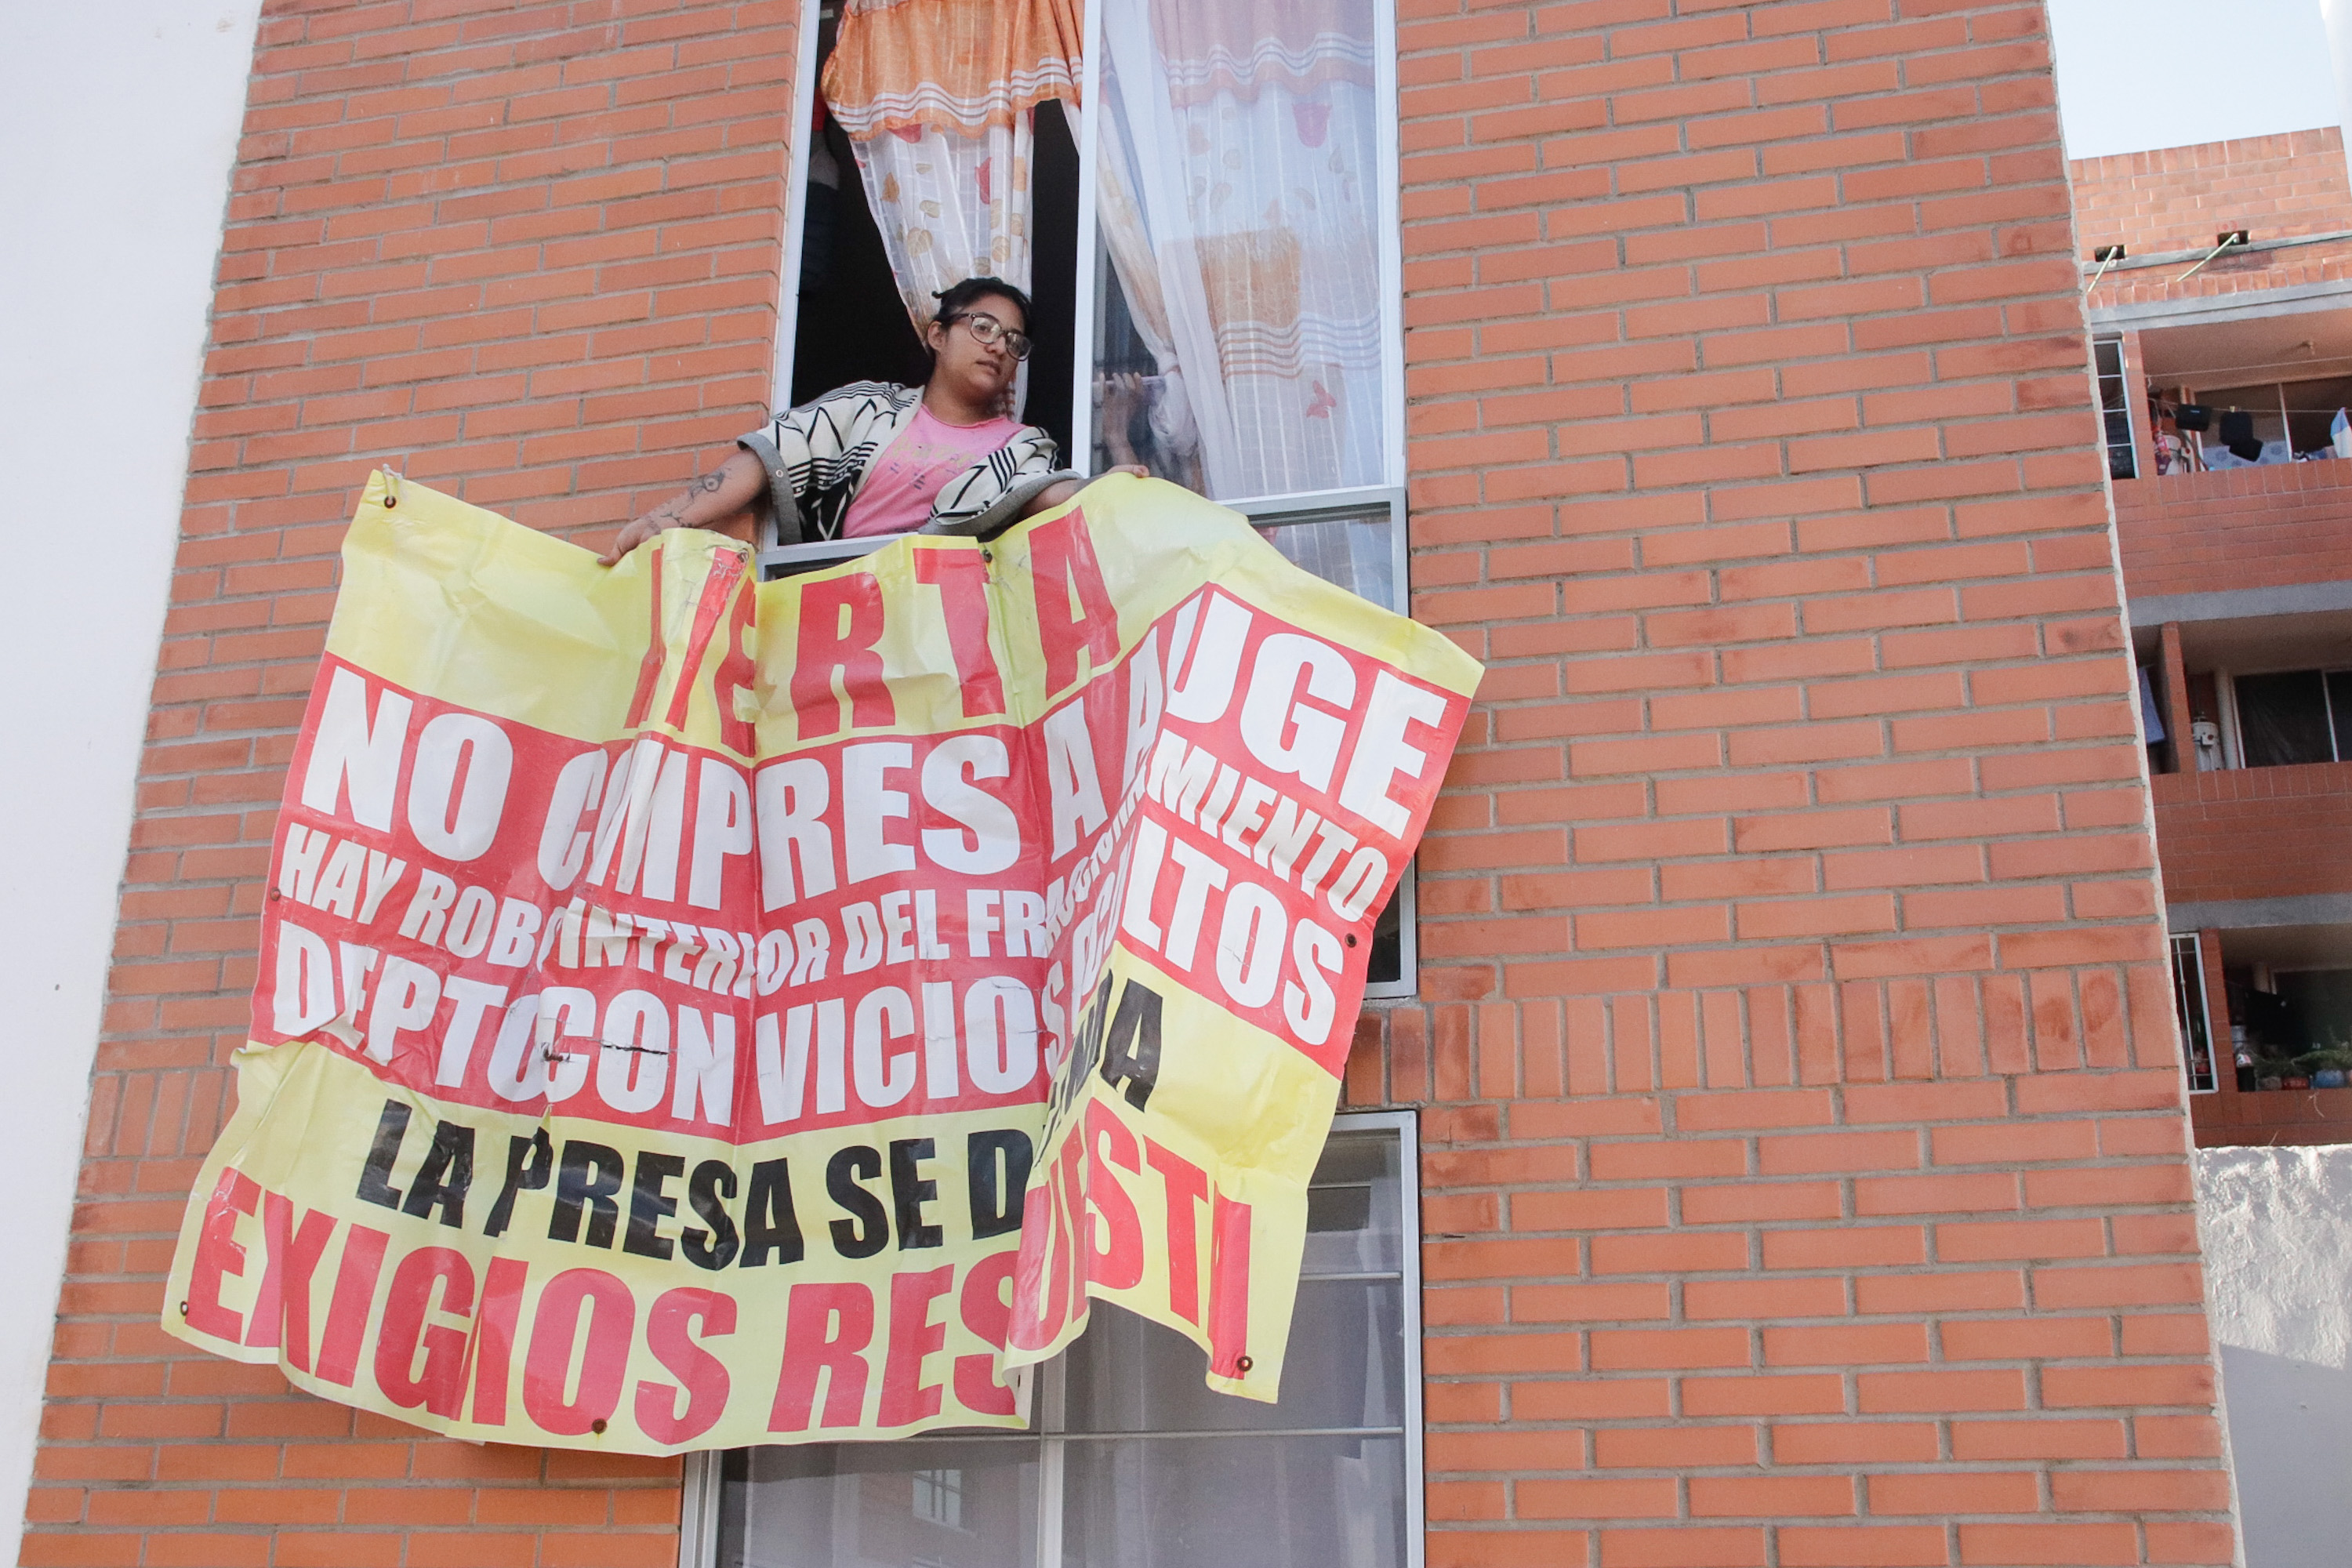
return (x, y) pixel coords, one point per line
(2277, 1230)
(119, 123)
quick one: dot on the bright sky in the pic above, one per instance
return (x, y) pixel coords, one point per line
(2138, 74)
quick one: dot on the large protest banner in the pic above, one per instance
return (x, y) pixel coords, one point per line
(695, 1012)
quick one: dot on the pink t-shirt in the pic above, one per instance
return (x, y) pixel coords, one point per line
(928, 454)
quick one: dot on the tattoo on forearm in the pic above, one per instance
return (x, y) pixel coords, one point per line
(706, 485)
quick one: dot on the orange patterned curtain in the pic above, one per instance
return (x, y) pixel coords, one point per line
(938, 98)
(955, 65)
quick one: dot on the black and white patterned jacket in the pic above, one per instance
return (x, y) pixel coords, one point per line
(818, 455)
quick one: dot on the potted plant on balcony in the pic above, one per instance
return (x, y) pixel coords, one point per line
(2272, 1070)
(2330, 1067)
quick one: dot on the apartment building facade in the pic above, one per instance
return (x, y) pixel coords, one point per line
(1770, 1147)
(2238, 572)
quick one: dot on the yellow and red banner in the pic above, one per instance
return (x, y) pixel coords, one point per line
(695, 1012)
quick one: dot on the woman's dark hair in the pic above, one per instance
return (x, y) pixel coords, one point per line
(959, 298)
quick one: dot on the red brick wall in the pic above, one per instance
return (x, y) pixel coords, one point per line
(2271, 1118)
(532, 253)
(2248, 271)
(2255, 833)
(1806, 1176)
(2236, 527)
(2179, 198)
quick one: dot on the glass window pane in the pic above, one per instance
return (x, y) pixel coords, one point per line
(1350, 552)
(2309, 408)
(1345, 1363)
(2284, 719)
(1239, 208)
(1234, 1495)
(1227, 1502)
(1387, 966)
(2114, 400)
(2246, 415)
(1355, 1216)
(2121, 460)
(1344, 1367)
(2339, 705)
(918, 1503)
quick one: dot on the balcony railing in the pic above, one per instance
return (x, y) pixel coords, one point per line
(2255, 833)
(2236, 527)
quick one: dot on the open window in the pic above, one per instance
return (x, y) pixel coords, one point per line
(2293, 716)
(1131, 1462)
(903, 185)
(1213, 251)
(1212, 248)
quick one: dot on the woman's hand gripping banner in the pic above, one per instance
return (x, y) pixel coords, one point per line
(695, 1013)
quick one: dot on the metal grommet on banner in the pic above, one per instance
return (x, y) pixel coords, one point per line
(184, 1309)
(1245, 1363)
(1352, 939)
(391, 488)
(597, 1425)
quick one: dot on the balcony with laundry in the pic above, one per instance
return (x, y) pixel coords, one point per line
(2219, 279)
(2231, 454)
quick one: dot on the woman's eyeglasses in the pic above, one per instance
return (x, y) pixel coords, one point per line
(987, 329)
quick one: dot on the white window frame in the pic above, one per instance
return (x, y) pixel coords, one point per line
(2123, 381)
(2225, 695)
(796, 154)
(2226, 688)
(1267, 511)
(1407, 983)
(697, 1540)
(1343, 506)
(2187, 949)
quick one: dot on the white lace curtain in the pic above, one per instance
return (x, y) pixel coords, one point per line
(1239, 203)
